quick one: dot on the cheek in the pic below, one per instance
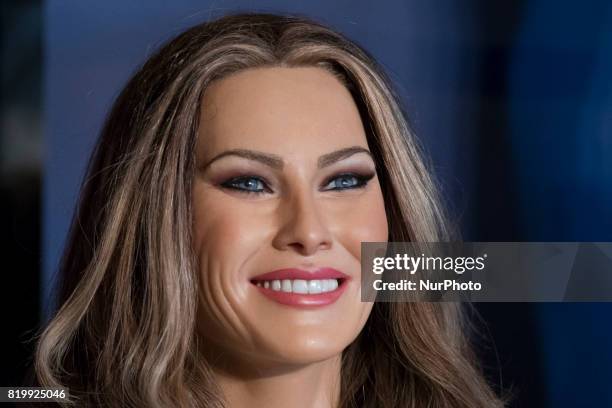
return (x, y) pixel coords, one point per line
(366, 221)
(223, 229)
(226, 236)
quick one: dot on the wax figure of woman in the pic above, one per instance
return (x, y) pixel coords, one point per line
(214, 260)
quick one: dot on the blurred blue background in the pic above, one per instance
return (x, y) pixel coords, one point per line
(512, 100)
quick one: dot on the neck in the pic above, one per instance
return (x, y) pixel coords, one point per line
(300, 386)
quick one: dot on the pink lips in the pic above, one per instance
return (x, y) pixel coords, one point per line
(303, 299)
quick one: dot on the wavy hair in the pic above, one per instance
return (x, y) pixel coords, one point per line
(125, 335)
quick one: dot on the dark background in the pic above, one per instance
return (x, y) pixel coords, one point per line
(512, 100)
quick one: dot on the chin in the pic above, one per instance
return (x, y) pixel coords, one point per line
(305, 345)
(306, 351)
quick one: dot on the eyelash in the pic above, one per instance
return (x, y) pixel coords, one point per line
(361, 180)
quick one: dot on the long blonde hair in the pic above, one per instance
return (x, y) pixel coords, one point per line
(125, 332)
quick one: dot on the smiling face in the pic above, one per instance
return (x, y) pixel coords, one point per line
(285, 184)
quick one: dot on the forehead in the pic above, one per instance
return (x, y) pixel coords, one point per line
(285, 111)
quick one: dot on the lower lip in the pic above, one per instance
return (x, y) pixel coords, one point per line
(305, 300)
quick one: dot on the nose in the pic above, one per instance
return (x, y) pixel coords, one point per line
(302, 227)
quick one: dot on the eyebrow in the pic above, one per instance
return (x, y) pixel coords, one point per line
(276, 162)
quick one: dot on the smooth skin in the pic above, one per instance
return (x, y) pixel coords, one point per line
(285, 180)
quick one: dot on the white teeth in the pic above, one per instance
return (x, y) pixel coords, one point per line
(286, 285)
(333, 285)
(302, 286)
(299, 286)
(325, 285)
(276, 285)
(314, 286)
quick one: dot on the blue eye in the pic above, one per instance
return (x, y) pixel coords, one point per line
(256, 185)
(246, 184)
(347, 181)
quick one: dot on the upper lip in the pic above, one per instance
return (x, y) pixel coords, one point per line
(296, 273)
